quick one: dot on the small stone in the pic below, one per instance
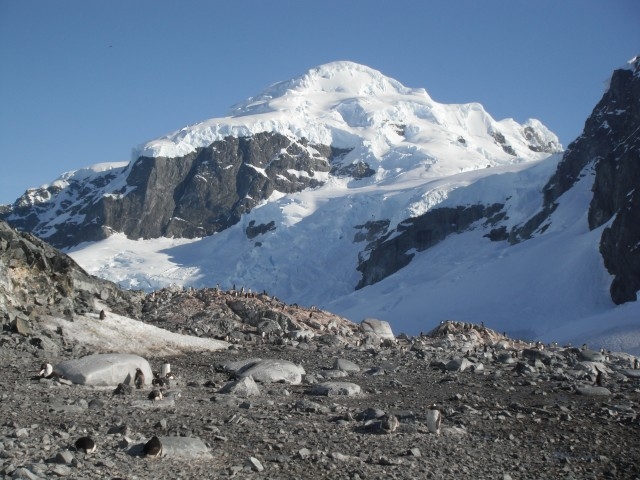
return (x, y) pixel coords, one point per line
(415, 452)
(24, 474)
(61, 470)
(64, 457)
(255, 464)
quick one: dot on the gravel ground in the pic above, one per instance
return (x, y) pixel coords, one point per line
(499, 420)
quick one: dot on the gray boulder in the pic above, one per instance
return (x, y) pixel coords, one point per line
(345, 365)
(107, 369)
(245, 387)
(379, 328)
(458, 365)
(593, 391)
(331, 389)
(272, 371)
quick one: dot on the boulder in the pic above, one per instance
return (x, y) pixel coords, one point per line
(331, 389)
(107, 369)
(593, 391)
(272, 371)
(591, 356)
(379, 328)
(345, 365)
(458, 365)
(179, 447)
(245, 387)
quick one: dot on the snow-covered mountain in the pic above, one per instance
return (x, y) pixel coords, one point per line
(344, 189)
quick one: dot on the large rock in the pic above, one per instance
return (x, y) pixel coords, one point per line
(272, 371)
(107, 369)
(179, 448)
(245, 387)
(379, 328)
(331, 389)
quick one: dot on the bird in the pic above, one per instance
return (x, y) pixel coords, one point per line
(434, 419)
(103, 315)
(85, 444)
(598, 381)
(155, 395)
(46, 369)
(123, 389)
(153, 448)
(139, 378)
(389, 423)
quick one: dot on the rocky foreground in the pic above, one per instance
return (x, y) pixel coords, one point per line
(510, 410)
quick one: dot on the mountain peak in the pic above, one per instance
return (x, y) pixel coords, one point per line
(340, 79)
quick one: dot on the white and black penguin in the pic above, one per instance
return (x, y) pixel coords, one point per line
(103, 314)
(46, 370)
(86, 445)
(138, 380)
(434, 418)
(153, 448)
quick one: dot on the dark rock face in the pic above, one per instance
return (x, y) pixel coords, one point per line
(610, 147)
(617, 178)
(199, 194)
(388, 255)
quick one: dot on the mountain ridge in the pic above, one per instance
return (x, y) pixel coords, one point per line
(366, 192)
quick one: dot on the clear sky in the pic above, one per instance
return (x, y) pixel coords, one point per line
(83, 82)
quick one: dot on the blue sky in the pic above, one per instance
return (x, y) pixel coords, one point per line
(83, 82)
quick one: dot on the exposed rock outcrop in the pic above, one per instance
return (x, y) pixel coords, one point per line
(36, 279)
(395, 250)
(199, 194)
(609, 146)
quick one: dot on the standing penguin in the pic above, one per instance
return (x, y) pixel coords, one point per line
(139, 378)
(434, 419)
(598, 381)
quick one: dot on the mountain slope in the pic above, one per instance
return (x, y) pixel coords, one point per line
(342, 119)
(431, 211)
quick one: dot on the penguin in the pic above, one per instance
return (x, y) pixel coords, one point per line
(139, 379)
(123, 389)
(153, 448)
(46, 369)
(434, 419)
(389, 423)
(598, 381)
(103, 315)
(86, 445)
(155, 395)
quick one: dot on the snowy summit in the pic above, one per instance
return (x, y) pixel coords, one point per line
(347, 105)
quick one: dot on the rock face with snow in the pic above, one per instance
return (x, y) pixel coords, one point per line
(342, 118)
(344, 188)
(609, 146)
